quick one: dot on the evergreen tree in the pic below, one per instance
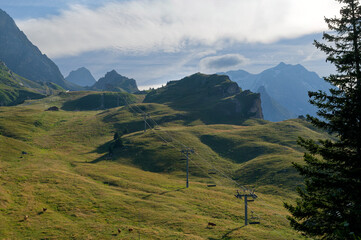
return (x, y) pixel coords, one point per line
(329, 206)
(117, 142)
(117, 136)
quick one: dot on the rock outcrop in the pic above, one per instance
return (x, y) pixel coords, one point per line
(114, 82)
(212, 98)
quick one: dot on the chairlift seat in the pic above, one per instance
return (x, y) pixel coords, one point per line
(254, 220)
(211, 185)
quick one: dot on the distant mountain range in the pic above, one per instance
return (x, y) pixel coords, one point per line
(113, 81)
(284, 89)
(210, 98)
(81, 77)
(25, 59)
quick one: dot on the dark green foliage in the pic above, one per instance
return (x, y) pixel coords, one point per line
(330, 204)
(116, 136)
(301, 117)
(117, 142)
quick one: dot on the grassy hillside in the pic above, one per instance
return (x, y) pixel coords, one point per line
(15, 89)
(96, 101)
(60, 161)
(211, 98)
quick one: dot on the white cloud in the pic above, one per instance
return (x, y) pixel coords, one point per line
(147, 87)
(139, 26)
(222, 63)
(315, 55)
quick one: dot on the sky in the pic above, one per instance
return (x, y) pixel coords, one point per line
(154, 41)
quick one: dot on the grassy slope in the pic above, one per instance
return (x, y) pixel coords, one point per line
(89, 196)
(15, 89)
(88, 101)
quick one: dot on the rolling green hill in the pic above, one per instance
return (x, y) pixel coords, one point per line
(210, 98)
(87, 101)
(60, 161)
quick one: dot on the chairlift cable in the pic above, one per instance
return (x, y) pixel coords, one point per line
(200, 157)
(202, 169)
(196, 164)
(157, 125)
(173, 139)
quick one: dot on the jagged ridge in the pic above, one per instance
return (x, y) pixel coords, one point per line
(112, 81)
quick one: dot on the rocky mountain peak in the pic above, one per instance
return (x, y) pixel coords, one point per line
(113, 81)
(81, 77)
(23, 58)
(281, 65)
(112, 73)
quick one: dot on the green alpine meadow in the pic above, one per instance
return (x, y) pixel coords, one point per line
(180, 120)
(60, 161)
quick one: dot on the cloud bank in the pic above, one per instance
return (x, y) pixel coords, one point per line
(138, 26)
(222, 63)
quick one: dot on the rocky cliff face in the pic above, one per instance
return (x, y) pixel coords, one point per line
(256, 109)
(272, 110)
(213, 98)
(23, 58)
(112, 81)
